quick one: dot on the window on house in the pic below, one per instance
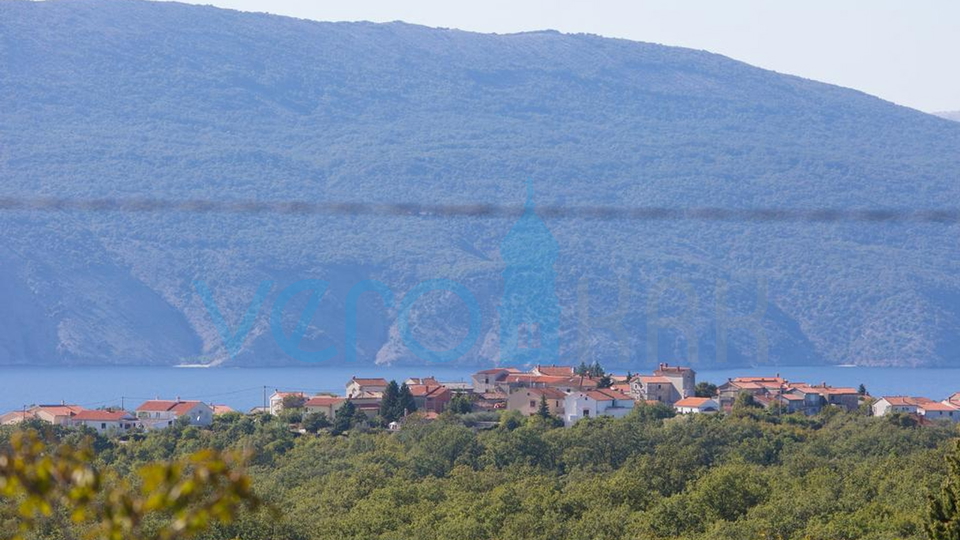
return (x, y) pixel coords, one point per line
(533, 404)
(103, 426)
(586, 412)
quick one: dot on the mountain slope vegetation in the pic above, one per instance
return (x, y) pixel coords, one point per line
(130, 99)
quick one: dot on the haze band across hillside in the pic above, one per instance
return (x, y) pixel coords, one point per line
(200, 206)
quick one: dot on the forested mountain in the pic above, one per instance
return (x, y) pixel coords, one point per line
(128, 99)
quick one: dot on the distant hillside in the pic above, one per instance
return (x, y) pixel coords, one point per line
(110, 98)
(949, 115)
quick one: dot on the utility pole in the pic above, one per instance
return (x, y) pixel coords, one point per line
(264, 397)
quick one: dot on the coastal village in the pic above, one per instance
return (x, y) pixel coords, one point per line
(566, 393)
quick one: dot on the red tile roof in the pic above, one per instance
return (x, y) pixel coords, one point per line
(222, 409)
(324, 401)
(423, 380)
(159, 405)
(606, 394)
(557, 371)
(427, 390)
(58, 410)
(551, 380)
(18, 416)
(549, 393)
(373, 381)
(761, 382)
(646, 379)
(103, 416)
(692, 402)
(935, 406)
(667, 368)
(906, 401)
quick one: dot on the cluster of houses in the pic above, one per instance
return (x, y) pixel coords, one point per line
(919, 407)
(152, 414)
(563, 391)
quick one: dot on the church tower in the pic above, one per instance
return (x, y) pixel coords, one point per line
(529, 310)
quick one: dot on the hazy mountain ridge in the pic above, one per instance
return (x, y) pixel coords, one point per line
(949, 115)
(130, 99)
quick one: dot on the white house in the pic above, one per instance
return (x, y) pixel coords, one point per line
(895, 404)
(933, 410)
(106, 421)
(158, 413)
(276, 400)
(488, 380)
(327, 405)
(55, 414)
(695, 405)
(366, 387)
(593, 403)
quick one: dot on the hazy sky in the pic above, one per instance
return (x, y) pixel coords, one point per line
(904, 51)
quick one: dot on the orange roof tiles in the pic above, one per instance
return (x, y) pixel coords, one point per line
(667, 368)
(558, 371)
(901, 401)
(424, 380)
(692, 402)
(549, 393)
(58, 410)
(427, 390)
(159, 405)
(103, 416)
(605, 394)
(324, 401)
(371, 381)
(936, 406)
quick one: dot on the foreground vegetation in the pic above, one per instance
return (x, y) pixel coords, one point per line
(648, 476)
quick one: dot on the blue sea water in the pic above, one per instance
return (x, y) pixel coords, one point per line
(243, 388)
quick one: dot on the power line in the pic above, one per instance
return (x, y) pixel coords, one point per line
(605, 213)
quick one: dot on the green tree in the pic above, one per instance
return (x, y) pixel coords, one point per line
(596, 371)
(173, 499)
(543, 411)
(314, 422)
(943, 514)
(705, 389)
(862, 390)
(745, 400)
(293, 401)
(291, 416)
(390, 407)
(407, 404)
(343, 420)
(460, 404)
